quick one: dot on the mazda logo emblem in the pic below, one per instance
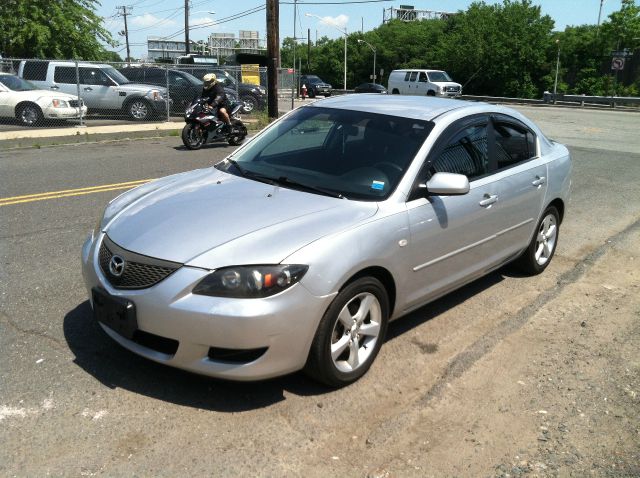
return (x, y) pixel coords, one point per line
(116, 266)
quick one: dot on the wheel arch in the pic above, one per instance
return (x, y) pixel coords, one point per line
(395, 91)
(24, 103)
(559, 205)
(384, 276)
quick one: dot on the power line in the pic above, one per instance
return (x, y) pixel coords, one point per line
(335, 3)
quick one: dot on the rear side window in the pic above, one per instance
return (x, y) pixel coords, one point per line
(514, 144)
(64, 74)
(133, 74)
(155, 76)
(35, 70)
(466, 153)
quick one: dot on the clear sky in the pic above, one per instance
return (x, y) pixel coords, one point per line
(166, 17)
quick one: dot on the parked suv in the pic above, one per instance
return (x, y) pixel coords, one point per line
(315, 86)
(183, 87)
(102, 87)
(423, 83)
(253, 96)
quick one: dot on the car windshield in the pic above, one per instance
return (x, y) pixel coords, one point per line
(439, 76)
(341, 153)
(116, 75)
(314, 79)
(192, 79)
(17, 84)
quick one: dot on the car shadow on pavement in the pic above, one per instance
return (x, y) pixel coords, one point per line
(220, 144)
(115, 367)
(437, 307)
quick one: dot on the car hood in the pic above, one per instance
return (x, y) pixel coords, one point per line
(446, 83)
(140, 87)
(209, 218)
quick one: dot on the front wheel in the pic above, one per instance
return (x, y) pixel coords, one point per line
(29, 114)
(350, 333)
(139, 109)
(192, 136)
(539, 253)
(250, 103)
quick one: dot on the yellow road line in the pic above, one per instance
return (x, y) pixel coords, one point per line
(70, 192)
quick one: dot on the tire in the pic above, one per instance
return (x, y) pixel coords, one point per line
(539, 253)
(192, 137)
(395, 92)
(340, 352)
(250, 104)
(311, 93)
(29, 114)
(139, 109)
(237, 138)
(431, 93)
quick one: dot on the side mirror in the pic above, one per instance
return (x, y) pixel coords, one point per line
(446, 184)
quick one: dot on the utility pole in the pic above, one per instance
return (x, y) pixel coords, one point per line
(295, 82)
(273, 54)
(126, 30)
(308, 49)
(599, 15)
(186, 27)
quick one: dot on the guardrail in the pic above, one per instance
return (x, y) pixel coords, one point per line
(611, 101)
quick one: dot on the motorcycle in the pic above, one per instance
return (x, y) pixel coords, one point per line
(203, 125)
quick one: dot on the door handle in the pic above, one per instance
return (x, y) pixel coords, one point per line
(539, 181)
(88, 88)
(488, 200)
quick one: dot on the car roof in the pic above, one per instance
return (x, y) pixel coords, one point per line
(416, 107)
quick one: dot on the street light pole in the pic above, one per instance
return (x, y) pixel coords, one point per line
(555, 83)
(344, 32)
(373, 77)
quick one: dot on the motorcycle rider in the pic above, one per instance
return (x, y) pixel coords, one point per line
(216, 97)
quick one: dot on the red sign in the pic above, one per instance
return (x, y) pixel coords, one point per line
(290, 70)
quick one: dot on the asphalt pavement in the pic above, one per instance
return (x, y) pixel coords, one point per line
(73, 403)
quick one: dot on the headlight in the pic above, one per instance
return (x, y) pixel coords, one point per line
(57, 103)
(154, 95)
(250, 282)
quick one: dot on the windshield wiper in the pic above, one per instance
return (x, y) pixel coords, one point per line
(284, 181)
(306, 187)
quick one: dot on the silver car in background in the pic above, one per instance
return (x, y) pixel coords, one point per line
(297, 250)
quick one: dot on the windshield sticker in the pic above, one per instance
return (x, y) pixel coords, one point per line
(377, 185)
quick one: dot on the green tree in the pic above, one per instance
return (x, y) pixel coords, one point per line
(60, 29)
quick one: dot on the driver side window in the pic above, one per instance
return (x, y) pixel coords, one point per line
(93, 76)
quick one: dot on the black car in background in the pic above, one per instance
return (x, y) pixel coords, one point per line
(370, 88)
(183, 87)
(253, 96)
(315, 86)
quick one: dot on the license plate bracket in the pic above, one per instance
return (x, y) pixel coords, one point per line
(115, 312)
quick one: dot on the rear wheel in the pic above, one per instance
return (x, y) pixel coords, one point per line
(539, 253)
(238, 133)
(29, 114)
(395, 91)
(350, 334)
(192, 136)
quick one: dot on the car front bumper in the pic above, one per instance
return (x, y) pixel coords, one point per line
(63, 113)
(284, 324)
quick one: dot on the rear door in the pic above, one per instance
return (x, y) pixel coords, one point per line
(522, 175)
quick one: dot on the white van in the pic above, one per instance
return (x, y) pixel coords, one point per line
(423, 83)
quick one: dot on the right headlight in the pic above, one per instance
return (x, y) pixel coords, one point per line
(250, 282)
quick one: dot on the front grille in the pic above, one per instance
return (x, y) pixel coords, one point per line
(218, 354)
(139, 271)
(452, 88)
(156, 342)
(74, 103)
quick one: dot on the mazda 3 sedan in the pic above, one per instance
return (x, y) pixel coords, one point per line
(297, 250)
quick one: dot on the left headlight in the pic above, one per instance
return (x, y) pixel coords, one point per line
(250, 282)
(154, 95)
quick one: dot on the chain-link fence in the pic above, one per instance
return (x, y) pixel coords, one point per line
(59, 92)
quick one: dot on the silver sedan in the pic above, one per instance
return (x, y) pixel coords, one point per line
(297, 250)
